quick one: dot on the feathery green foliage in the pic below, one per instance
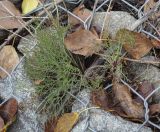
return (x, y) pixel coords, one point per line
(113, 56)
(51, 64)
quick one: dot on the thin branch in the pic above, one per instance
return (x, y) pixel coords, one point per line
(93, 12)
(142, 61)
(106, 15)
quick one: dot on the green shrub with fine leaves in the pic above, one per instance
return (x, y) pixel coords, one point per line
(52, 66)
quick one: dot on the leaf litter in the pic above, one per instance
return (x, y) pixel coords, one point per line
(120, 101)
(87, 43)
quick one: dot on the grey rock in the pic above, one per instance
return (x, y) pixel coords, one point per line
(81, 126)
(25, 46)
(102, 121)
(24, 91)
(145, 71)
(115, 20)
(84, 98)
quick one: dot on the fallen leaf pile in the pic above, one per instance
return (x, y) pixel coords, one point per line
(84, 42)
(136, 44)
(121, 100)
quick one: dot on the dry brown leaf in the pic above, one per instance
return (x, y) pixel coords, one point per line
(136, 44)
(66, 122)
(106, 102)
(155, 108)
(83, 42)
(8, 59)
(123, 95)
(9, 109)
(155, 43)
(146, 88)
(7, 9)
(80, 12)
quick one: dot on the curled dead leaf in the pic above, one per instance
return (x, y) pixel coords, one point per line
(81, 12)
(123, 95)
(136, 44)
(8, 59)
(83, 42)
(10, 16)
(66, 122)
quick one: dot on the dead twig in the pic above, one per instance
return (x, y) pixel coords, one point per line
(106, 15)
(142, 61)
(93, 12)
